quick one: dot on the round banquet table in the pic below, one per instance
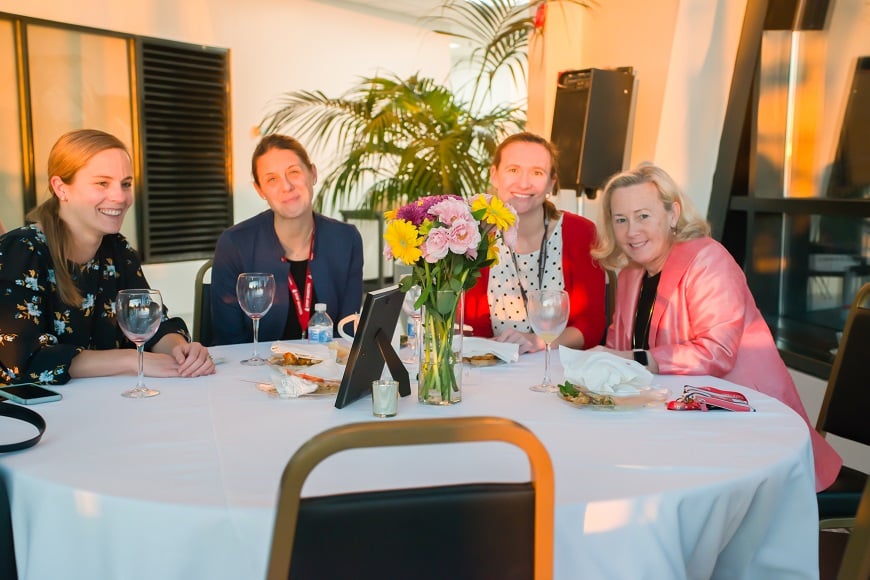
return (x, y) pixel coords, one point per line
(184, 485)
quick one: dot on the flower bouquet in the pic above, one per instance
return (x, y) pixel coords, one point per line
(447, 240)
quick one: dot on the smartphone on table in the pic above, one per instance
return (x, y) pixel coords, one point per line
(28, 394)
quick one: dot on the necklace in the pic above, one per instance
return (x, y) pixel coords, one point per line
(542, 262)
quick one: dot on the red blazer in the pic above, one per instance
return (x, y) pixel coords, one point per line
(705, 322)
(584, 282)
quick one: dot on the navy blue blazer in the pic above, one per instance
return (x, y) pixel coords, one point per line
(252, 246)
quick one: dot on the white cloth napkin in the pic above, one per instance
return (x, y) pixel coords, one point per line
(476, 346)
(603, 372)
(329, 369)
(291, 386)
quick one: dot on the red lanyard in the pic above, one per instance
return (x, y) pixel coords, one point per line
(303, 309)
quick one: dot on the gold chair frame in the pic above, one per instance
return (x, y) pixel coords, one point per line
(414, 432)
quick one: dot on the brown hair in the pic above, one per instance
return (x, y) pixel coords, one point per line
(690, 224)
(527, 137)
(276, 141)
(68, 155)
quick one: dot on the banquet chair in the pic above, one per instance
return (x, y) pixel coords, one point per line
(845, 411)
(472, 530)
(202, 324)
(846, 556)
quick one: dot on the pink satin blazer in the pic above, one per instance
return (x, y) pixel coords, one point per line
(705, 322)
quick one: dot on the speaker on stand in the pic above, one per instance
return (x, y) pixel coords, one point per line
(591, 121)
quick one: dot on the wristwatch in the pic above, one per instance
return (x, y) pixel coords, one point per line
(640, 356)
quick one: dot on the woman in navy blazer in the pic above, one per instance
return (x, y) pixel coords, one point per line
(313, 258)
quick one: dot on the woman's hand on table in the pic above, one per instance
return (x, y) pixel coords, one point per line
(191, 359)
(528, 341)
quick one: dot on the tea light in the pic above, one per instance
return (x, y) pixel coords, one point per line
(385, 398)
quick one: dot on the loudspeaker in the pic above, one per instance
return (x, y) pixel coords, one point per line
(590, 126)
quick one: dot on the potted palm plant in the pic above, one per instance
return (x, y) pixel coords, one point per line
(401, 139)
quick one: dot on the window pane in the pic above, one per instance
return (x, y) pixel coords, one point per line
(77, 80)
(11, 184)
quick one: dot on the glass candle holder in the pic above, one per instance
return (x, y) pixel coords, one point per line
(385, 398)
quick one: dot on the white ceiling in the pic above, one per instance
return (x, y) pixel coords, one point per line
(406, 10)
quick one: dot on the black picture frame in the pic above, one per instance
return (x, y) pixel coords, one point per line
(372, 348)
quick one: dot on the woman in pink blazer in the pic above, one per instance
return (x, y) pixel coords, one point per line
(682, 303)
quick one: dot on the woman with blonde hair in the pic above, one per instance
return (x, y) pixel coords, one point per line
(59, 277)
(683, 306)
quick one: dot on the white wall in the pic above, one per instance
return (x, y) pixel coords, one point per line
(275, 46)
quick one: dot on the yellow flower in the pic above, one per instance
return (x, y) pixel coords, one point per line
(390, 215)
(404, 241)
(492, 251)
(497, 213)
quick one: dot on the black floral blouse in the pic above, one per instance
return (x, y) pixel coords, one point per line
(39, 334)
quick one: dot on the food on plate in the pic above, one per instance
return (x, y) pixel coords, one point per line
(482, 360)
(582, 396)
(295, 360)
(342, 351)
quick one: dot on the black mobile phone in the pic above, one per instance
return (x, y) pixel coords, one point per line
(29, 394)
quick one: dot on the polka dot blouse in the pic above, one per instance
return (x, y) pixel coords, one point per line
(504, 296)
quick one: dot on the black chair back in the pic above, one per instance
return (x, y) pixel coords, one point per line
(846, 409)
(475, 530)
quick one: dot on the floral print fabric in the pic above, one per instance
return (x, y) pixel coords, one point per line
(39, 334)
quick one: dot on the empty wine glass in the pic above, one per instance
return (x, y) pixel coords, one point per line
(414, 315)
(255, 292)
(548, 316)
(139, 313)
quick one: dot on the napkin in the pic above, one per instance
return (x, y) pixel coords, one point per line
(603, 372)
(476, 346)
(328, 370)
(289, 385)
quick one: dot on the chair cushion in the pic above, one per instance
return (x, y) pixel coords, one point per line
(840, 500)
(461, 531)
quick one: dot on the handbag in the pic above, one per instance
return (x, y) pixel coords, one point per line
(26, 415)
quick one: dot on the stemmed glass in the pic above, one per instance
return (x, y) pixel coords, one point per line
(415, 314)
(139, 313)
(255, 292)
(548, 316)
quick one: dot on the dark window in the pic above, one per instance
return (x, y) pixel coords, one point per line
(185, 150)
(799, 224)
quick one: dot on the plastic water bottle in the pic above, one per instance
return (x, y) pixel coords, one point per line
(320, 325)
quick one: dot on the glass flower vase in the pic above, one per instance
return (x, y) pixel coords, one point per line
(439, 379)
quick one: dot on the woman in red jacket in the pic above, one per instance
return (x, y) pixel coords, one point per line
(552, 252)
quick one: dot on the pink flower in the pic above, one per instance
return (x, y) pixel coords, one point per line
(464, 237)
(436, 245)
(450, 210)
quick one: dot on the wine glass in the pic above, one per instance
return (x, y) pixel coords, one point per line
(414, 314)
(139, 313)
(255, 292)
(548, 316)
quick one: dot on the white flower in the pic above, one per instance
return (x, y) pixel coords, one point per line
(46, 376)
(88, 302)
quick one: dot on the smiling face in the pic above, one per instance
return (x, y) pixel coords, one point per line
(524, 176)
(97, 198)
(285, 182)
(642, 226)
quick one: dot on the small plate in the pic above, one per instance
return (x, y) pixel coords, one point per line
(327, 390)
(593, 401)
(482, 361)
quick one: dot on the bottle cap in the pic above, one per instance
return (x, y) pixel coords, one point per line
(320, 307)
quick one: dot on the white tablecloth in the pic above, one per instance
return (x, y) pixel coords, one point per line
(184, 485)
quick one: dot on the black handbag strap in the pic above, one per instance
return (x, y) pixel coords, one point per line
(23, 414)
